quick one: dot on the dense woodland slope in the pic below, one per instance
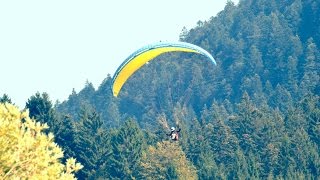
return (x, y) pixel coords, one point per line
(254, 115)
(267, 49)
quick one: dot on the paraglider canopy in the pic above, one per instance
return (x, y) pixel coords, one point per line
(147, 53)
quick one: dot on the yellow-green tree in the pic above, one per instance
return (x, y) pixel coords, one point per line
(28, 153)
(166, 161)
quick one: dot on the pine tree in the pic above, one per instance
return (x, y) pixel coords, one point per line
(306, 155)
(207, 167)
(287, 163)
(311, 109)
(221, 145)
(5, 99)
(72, 106)
(40, 107)
(253, 86)
(106, 104)
(253, 165)
(311, 77)
(196, 140)
(200, 152)
(245, 124)
(281, 99)
(91, 145)
(65, 136)
(292, 75)
(292, 14)
(255, 63)
(127, 145)
(224, 144)
(271, 134)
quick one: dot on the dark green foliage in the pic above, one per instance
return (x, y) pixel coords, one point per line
(171, 172)
(40, 107)
(65, 135)
(200, 153)
(5, 99)
(92, 145)
(311, 105)
(127, 145)
(100, 100)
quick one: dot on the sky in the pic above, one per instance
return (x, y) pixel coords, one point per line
(57, 46)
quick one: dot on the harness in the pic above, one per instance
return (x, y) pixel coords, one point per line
(175, 136)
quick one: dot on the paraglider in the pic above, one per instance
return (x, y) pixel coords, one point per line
(147, 53)
(174, 134)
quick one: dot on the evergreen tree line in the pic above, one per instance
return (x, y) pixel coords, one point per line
(256, 115)
(249, 142)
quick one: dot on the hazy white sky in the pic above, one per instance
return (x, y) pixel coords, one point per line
(55, 46)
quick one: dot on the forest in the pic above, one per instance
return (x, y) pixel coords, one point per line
(256, 115)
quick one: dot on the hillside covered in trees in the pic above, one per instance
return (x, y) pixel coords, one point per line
(256, 115)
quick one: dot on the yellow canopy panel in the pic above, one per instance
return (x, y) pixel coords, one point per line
(136, 60)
